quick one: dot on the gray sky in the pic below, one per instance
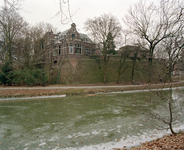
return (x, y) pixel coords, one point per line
(35, 11)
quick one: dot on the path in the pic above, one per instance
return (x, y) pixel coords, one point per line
(86, 87)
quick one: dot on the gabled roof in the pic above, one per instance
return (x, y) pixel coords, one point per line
(61, 35)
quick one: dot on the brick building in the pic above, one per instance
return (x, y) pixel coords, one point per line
(68, 44)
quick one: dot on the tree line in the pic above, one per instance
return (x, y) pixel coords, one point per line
(20, 53)
(156, 26)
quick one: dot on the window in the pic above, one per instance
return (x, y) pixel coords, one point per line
(73, 35)
(48, 39)
(87, 51)
(66, 49)
(59, 49)
(71, 48)
(78, 48)
(55, 51)
(42, 45)
(86, 39)
(48, 54)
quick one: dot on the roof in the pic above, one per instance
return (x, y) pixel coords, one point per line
(64, 32)
(84, 36)
(133, 48)
(61, 35)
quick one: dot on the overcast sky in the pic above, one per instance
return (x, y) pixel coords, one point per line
(35, 11)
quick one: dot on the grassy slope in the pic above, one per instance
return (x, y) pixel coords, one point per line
(88, 71)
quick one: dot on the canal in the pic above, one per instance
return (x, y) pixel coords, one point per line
(101, 121)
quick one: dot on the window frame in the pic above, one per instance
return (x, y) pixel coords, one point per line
(78, 47)
(55, 53)
(87, 51)
(71, 48)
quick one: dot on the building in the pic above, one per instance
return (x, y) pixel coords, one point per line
(68, 44)
(131, 50)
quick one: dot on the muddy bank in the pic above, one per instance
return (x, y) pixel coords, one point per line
(169, 142)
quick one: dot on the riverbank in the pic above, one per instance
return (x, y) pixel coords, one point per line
(169, 142)
(17, 91)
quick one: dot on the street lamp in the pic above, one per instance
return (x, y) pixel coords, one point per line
(43, 79)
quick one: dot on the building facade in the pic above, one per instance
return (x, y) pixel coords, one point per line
(68, 44)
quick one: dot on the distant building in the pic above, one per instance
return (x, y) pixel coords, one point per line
(130, 50)
(67, 44)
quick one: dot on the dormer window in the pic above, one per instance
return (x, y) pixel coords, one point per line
(86, 39)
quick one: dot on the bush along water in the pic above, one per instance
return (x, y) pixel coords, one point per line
(25, 76)
(6, 74)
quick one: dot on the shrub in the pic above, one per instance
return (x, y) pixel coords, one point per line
(6, 74)
(29, 77)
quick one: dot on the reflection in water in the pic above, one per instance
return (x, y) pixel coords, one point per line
(77, 122)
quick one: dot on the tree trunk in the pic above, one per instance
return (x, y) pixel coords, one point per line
(105, 73)
(133, 68)
(149, 70)
(171, 114)
(118, 78)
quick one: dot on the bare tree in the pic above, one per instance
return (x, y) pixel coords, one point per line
(104, 30)
(24, 51)
(154, 22)
(123, 66)
(167, 108)
(174, 48)
(65, 14)
(11, 26)
(12, 4)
